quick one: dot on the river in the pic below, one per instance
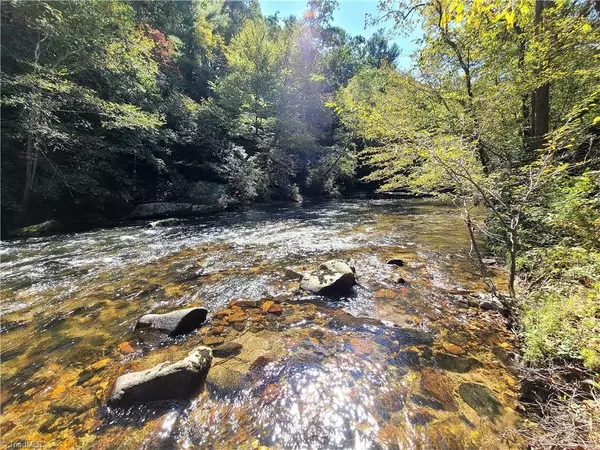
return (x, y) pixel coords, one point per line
(317, 374)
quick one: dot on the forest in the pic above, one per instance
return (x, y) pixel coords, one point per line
(115, 103)
(108, 104)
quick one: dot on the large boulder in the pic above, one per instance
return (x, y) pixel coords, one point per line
(174, 323)
(167, 381)
(331, 278)
(40, 229)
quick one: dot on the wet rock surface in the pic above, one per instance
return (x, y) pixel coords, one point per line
(438, 386)
(166, 381)
(227, 349)
(331, 278)
(481, 399)
(222, 381)
(174, 323)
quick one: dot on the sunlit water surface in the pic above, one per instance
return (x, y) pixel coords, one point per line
(394, 365)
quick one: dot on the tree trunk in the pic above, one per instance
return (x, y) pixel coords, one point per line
(478, 258)
(540, 99)
(512, 274)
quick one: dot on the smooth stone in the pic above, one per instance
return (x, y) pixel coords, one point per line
(453, 348)
(408, 336)
(292, 274)
(167, 381)
(331, 278)
(456, 363)
(395, 262)
(227, 349)
(222, 381)
(480, 398)
(174, 323)
(493, 304)
(438, 386)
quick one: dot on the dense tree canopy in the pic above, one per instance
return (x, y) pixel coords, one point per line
(502, 109)
(108, 103)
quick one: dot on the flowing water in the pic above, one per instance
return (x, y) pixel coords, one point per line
(394, 365)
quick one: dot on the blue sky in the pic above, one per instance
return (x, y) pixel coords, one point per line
(350, 16)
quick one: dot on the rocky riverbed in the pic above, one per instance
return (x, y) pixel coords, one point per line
(405, 359)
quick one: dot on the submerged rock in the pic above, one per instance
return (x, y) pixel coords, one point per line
(166, 381)
(345, 321)
(292, 274)
(222, 381)
(438, 386)
(408, 336)
(227, 349)
(427, 402)
(480, 398)
(420, 416)
(174, 323)
(487, 302)
(456, 363)
(331, 278)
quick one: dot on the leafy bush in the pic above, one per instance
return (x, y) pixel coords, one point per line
(556, 325)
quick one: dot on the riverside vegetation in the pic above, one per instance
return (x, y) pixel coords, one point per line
(109, 104)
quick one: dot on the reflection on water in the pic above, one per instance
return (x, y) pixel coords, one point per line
(394, 365)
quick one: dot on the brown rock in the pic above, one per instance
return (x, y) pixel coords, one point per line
(437, 385)
(267, 304)
(361, 346)
(212, 341)
(453, 348)
(420, 417)
(227, 349)
(126, 347)
(237, 317)
(275, 309)
(392, 400)
(385, 293)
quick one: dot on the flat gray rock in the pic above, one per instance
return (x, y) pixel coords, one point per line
(174, 323)
(331, 278)
(167, 381)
